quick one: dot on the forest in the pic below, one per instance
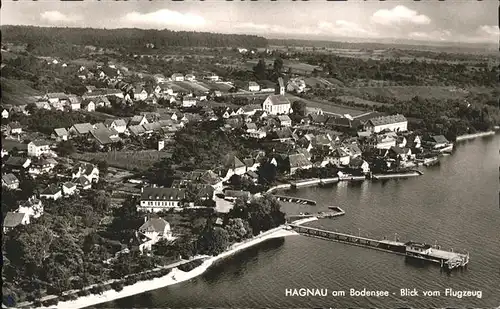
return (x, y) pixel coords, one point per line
(49, 40)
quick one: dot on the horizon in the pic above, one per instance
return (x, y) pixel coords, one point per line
(435, 23)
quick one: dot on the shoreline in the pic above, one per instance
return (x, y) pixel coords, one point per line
(175, 276)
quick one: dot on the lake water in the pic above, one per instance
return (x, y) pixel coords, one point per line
(454, 204)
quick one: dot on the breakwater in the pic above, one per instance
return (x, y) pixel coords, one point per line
(474, 135)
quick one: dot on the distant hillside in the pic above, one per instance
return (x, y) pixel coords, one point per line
(42, 38)
(399, 44)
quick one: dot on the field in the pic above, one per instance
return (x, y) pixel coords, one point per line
(298, 67)
(128, 160)
(408, 92)
(347, 98)
(17, 92)
(191, 86)
(329, 107)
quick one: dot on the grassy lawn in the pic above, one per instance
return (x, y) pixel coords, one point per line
(129, 160)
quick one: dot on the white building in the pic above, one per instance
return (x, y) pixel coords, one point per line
(253, 86)
(277, 104)
(157, 199)
(177, 77)
(396, 123)
(37, 148)
(152, 231)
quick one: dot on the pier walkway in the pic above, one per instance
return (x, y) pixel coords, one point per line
(292, 199)
(449, 259)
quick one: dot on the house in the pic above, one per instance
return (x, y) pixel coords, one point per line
(74, 103)
(250, 127)
(190, 77)
(159, 78)
(68, 188)
(51, 192)
(353, 150)
(137, 130)
(138, 120)
(152, 231)
(33, 207)
(81, 129)
(10, 181)
(43, 105)
(88, 170)
(37, 148)
(396, 123)
(5, 114)
(339, 157)
(282, 134)
(296, 85)
(41, 166)
(177, 77)
(298, 161)
(157, 199)
(259, 134)
(13, 219)
(102, 102)
(253, 86)
(15, 164)
(60, 134)
(385, 141)
(119, 125)
(360, 164)
(88, 105)
(233, 166)
(15, 128)
(284, 121)
(140, 94)
(83, 183)
(413, 141)
(188, 101)
(233, 195)
(398, 153)
(439, 141)
(317, 118)
(212, 77)
(251, 109)
(277, 104)
(105, 136)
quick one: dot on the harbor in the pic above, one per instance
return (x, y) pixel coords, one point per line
(447, 259)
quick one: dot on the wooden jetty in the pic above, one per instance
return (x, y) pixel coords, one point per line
(296, 200)
(336, 212)
(413, 173)
(447, 259)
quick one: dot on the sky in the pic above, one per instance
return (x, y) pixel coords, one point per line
(466, 21)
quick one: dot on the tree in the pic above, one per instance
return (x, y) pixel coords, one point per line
(267, 173)
(100, 202)
(278, 65)
(260, 69)
(213, 240)
(299, 108)
(65, 148)
(238, 229)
